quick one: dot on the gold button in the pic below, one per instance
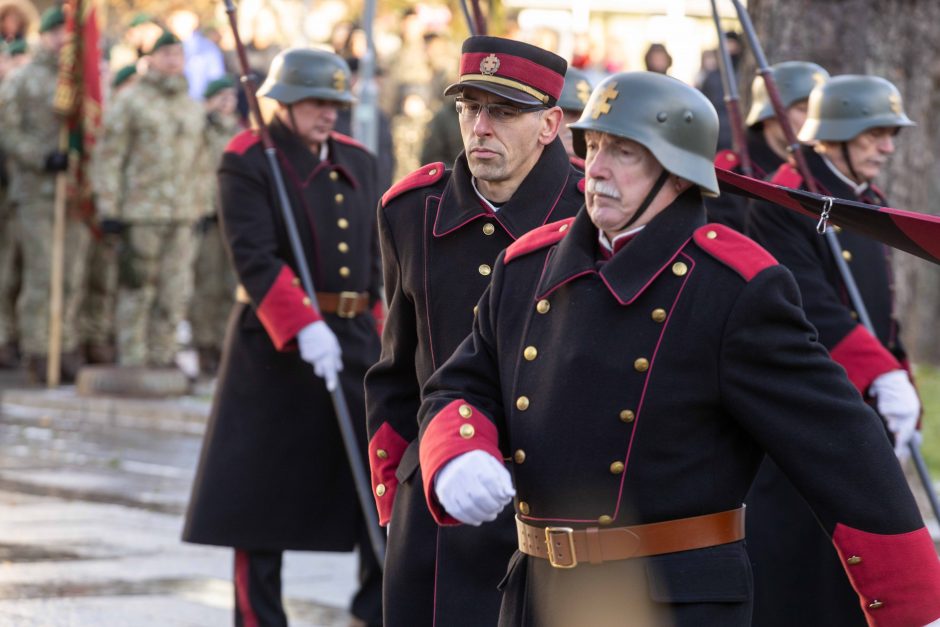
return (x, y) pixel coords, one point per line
(343, 247)
(679, 268)
(522, 403)
(616, 468)
(344, 272)
(641, 365)
(334, 176)
(854, 315)
(876, 604)
(467, 431)
(342, 223)
(475, 309)
(432, 171)
(855, 559)
(306, 301)
(484, 269)
(380, 489)
(543, 306)
(519, 456)
(847, 255)
(523, 508)
(658, 315)
(488, 228)
(711, 234)
(627, 416)
(465, 411)
(295, 282)
(604, 520)
(338, 198)
(530, 353)
(563, 228)
(381, 453)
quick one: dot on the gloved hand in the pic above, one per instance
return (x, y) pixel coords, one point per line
(57, 161)
(899, 405)
(474, 487)
(112, 226)
(320, 348)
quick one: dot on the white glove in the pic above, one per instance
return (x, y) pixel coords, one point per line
(319, 347)
(474, 487)
(899, 405)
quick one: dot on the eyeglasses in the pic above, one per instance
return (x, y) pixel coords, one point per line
(496, 111)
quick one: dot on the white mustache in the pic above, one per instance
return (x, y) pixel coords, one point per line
(602, 188)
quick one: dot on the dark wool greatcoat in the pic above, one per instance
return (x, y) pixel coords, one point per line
(273, 473)
(439, 241)
(802, 559)
(647, 388)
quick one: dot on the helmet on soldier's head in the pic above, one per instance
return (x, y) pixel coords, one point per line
(675, 122)
(577, 90)
(795, 80)
(846, 106)
(300, 73)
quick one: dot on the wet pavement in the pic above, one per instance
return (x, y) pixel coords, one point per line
(90, 518)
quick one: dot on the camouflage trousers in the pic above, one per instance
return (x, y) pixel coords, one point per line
(9, 274)
(214, 290)
(96, 318)
(155, 283)
(34, 227)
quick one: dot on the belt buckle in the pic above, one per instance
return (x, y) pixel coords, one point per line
(346, 307)
(553, 557)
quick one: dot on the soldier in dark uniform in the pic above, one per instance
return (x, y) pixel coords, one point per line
(766, 142)
(636, 363)
(853, 121)
(441, 231)
(273, 475)
(573, 97)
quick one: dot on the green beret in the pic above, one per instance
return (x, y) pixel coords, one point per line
(166, 39)
(214, 87)
(17, 47)
(140, 19)
(51, 18)
(121, 76)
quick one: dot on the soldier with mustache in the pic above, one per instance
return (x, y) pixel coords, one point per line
(441, 230)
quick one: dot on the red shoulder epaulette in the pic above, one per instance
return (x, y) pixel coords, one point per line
(543, 236)
(737, 251)
(581, 185)
(787, 176)
(349, 141)
(422, 177)
(727, 160)
(242, 142)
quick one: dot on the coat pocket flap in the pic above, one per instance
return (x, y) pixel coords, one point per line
(713, 575)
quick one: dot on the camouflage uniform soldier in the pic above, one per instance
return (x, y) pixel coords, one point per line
(96, 320)
(214, 279)
(7, 249)
(30, 139)
(144, 187)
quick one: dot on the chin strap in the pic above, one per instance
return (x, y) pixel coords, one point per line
(848, 162)
(654, 191)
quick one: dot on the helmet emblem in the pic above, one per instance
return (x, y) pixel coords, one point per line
(895, 101)
(489, 65)
(602, 105)
(584, 91)
(339, 80)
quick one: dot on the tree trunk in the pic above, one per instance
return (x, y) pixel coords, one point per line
(895, 39)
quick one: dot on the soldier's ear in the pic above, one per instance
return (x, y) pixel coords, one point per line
(550, 124)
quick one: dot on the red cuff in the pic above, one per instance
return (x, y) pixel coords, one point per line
(863, 357)
(386, 449)
(457, 429)
(897, 577)
(285, 309)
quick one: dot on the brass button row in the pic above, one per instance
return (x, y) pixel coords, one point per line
(343, 247)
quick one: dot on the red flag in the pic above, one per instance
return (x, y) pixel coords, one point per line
(78, 94)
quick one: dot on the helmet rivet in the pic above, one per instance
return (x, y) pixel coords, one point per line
(688, 117)
(662, 116)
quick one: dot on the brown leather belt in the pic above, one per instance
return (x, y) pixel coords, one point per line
(564, 547)
(343, 304)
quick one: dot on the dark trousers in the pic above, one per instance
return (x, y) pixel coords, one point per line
(258, 601)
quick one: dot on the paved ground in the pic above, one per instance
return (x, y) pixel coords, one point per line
(91, 503)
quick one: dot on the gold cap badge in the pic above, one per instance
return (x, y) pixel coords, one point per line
(489, 65)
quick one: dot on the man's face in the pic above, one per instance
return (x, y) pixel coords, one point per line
(168, 60)
(870, 151)
(314, 119)
(619, 173)
(796, 114)
(53, 39)
(223, 102)
(570, 117)
(500, 150)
